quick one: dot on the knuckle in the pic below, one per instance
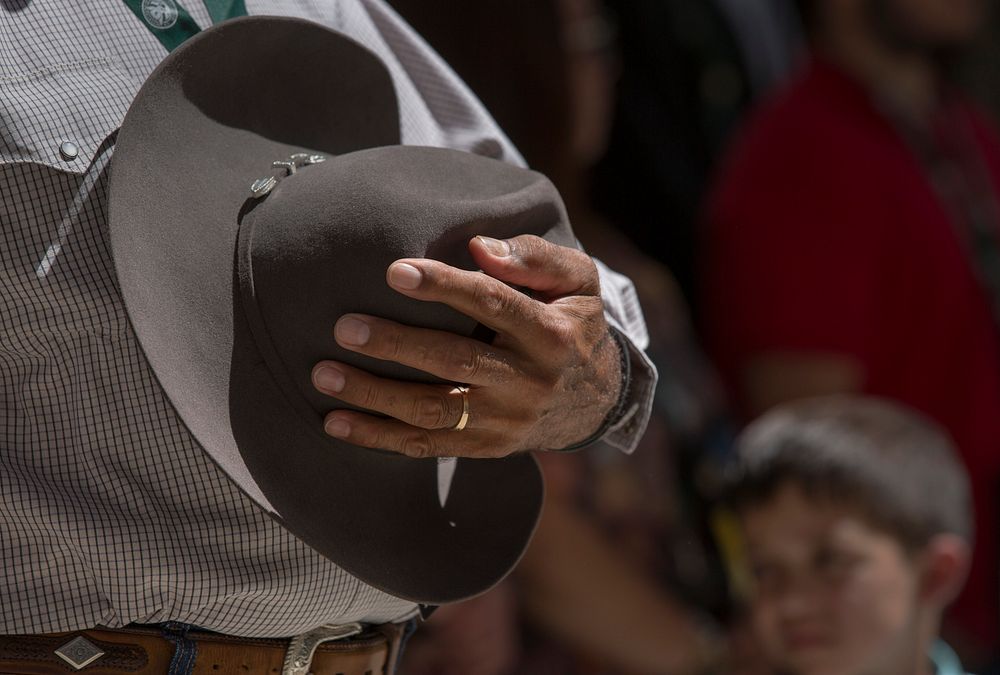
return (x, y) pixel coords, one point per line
(593, 309)
(396, 345)
(469, 361)
(537, 414)
(539, 391)
(378, 437)
(524, 403)
(430, 412)
(419, 353)
(508, 444)
(526, 419)
(368, 397)
(527, 245)
(362, 434)
(494, 298)
(417, 445)
(590, 277)
(582, 260)
(563, 333)
(479, 449)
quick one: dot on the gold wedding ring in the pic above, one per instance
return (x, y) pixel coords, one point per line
(464, 419)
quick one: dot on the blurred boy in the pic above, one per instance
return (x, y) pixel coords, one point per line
(857, 520)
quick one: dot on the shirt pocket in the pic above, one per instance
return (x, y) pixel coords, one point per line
(63, 107)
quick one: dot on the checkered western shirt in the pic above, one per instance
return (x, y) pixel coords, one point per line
(110, 513)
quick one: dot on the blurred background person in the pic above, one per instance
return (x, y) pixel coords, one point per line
(622, 574)
(978, 72)
(690, 69)
(853, 245)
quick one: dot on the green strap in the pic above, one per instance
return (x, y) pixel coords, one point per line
(172, 24)
(220, 10)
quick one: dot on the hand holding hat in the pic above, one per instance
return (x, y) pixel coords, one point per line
(546, 381)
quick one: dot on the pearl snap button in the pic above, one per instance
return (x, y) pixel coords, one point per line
(68, 150)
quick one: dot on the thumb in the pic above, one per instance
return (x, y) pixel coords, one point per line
(552, 271)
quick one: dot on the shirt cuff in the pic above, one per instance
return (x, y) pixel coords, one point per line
(623, 313)
(628, 431)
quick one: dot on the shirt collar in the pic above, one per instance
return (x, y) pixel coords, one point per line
(945, 660)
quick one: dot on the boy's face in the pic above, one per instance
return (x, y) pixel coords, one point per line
(833, 595)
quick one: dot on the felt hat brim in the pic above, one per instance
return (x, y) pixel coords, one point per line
(207, 122)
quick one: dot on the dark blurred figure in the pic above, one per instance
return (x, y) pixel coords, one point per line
(689, 71)
(622, 553)
(979, 72)
(854, 246)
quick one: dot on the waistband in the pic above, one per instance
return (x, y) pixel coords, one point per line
(348, 649)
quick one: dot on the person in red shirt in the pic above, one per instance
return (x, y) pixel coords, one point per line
(852, 244)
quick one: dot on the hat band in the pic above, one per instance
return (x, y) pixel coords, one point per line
(258, 327)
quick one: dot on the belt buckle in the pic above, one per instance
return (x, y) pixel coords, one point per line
(300, 651)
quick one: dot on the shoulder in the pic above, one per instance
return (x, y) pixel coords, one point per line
(818, 121)
(815, 141)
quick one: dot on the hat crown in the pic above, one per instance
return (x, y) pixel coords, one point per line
(319, 245)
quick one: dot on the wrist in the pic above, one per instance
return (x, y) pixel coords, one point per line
(617, 410)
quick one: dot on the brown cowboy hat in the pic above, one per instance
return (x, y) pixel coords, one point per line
(233, 295)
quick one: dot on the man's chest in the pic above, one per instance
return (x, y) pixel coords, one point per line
(68, 72)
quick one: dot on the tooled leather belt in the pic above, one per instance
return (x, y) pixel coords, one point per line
(150, 650)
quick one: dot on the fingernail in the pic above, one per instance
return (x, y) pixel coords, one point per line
(330, 379)
(351, 331)
(338, 427)
(497, 247)
(405, 276)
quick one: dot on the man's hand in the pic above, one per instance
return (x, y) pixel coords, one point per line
(546, 382)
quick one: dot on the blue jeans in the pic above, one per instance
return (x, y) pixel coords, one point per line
(408, 630)
(185, 649)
